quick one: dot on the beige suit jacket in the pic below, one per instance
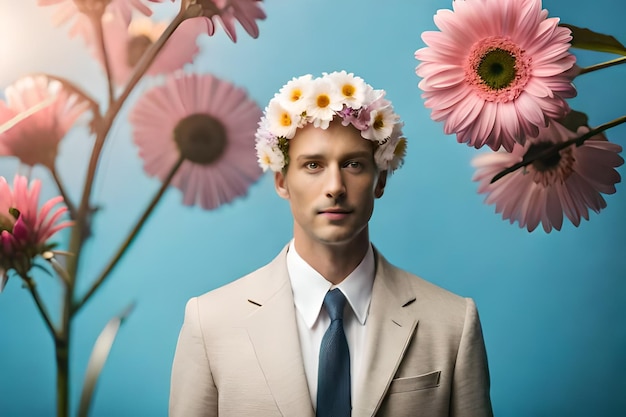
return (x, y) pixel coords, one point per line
(238, 352)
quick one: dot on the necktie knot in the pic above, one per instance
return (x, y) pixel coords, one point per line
(335, 301)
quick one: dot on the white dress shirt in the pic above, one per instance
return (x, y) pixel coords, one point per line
(309, 289)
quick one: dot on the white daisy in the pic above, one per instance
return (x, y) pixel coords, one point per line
(352, 89)
(293, 94)
(281, 121)
(270, 157)
(324, 101)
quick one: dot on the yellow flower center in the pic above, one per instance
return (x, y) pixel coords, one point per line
(379, 122)
(296, 94)
(323, 101)
(348, 90)
(285, 119)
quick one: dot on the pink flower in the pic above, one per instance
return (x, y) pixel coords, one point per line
(226, 12)
(126, 44)
(496, 71)
(209, 123)
(25, 229)
(78, 11)
(570, 182)
(35, 139)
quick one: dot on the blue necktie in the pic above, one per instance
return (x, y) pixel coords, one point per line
(333, 379)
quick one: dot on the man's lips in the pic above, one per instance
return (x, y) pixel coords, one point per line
(335, 213)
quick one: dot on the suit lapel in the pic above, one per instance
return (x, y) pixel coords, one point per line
(389, 330)
(274, 334)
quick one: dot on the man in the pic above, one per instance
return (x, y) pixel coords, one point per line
(329, 327)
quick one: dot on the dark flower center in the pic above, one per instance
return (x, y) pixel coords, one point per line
(497, 69)
(546, 163)
(201, 138)
(552, 168)
(137, 45)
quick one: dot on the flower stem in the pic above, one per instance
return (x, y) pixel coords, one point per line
(130, 238)
(62, 352)
(527, 160)
(607, 64)
(70, 206)
(30, 283)
(84, 209)
(96, 21)
(61, 348)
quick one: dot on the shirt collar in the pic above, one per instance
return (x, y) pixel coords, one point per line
(310, 287)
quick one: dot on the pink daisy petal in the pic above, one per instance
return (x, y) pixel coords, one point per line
(126, 43)
(246, 12)
(35, 140)
(68, 10)
(544, 191)
(210, 182)
(26, 236)
(529, 55)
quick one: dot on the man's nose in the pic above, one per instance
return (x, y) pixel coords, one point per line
(335, 185)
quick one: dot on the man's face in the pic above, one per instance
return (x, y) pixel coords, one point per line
(331, 183)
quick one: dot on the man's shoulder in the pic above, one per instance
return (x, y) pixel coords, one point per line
(423, 289)
(257, 283)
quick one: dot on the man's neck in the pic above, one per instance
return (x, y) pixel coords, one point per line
(334, 262)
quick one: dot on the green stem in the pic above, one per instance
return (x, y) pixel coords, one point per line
(130, 238)
(527, 160)
(607, 64)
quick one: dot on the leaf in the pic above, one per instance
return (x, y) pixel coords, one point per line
(574, 119)
(584, 38)
(99, 355)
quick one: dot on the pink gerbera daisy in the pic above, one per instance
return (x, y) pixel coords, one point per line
(79, 11)
(226, 12)
(569, 182)
(209, 123)
(126, 45)
(25, 229)
(35, 140)
(496, 71)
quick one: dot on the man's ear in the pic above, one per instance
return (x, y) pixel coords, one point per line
(380, 184)
(280, 184)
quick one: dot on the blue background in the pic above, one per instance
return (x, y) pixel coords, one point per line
(551, 304)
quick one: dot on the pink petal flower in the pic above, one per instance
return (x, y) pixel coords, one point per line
(35, 139)
(211, 124)
(226, 12)
(26, 236)
(75, 11)
(570, 183)
(126, 44)
(502, 55)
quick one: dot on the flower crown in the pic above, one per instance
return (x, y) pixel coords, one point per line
(305, 100)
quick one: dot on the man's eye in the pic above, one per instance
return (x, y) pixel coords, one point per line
(354, 165)
(312, 165)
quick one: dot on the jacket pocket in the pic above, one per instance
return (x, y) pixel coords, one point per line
(414, 383)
